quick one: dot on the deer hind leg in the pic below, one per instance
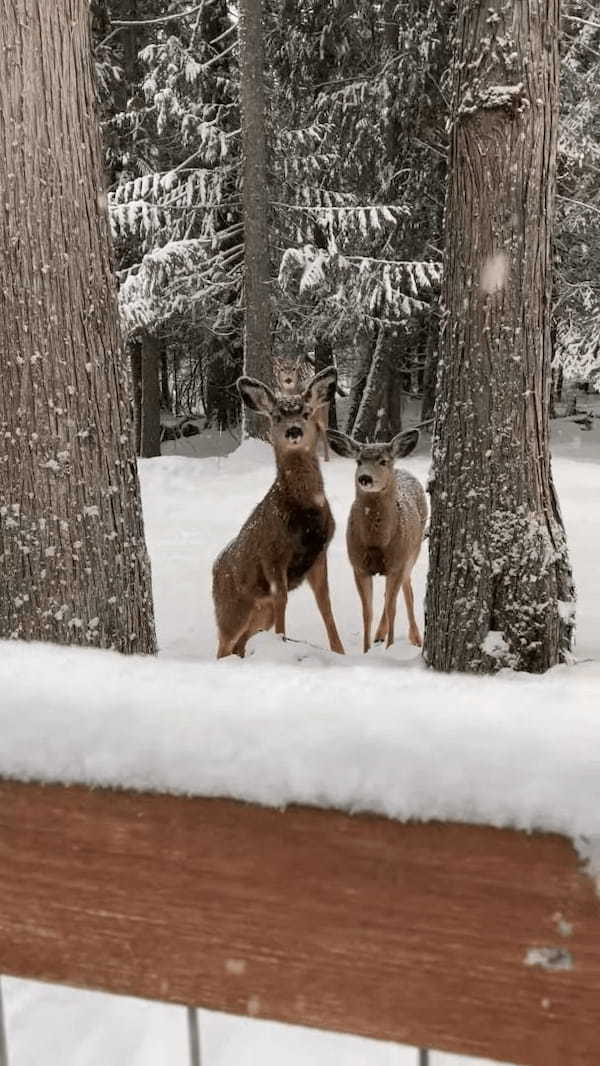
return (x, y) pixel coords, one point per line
(232, 645)
(260, 619)
(318, 581)
(414, 635)
(364, 584)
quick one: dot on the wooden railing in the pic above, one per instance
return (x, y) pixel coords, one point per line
(462, 938)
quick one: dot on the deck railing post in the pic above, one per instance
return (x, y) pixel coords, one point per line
(423, 1056)
(193, 1036)
(3, 1037)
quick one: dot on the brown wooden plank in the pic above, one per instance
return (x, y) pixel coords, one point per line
(415, 933)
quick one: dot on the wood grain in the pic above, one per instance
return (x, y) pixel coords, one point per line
(415, 933)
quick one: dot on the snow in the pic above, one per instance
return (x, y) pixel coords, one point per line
(294, 723)
(63, 1027)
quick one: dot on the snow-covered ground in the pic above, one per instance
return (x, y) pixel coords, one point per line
(378, 732)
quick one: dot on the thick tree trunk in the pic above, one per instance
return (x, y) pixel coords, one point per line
(74, 565)
(150, 405)
(257, 294)
(499, 591)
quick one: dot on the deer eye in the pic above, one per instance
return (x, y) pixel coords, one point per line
(383, 462)
(306, 416)
(359, 462)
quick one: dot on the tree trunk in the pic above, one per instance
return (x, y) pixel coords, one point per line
(135, 369)
(166, 400)
(364, 346)
(366, 420)
(499, 591)
(150, 406)
(73, 559)
(323, 359)
(257, 294)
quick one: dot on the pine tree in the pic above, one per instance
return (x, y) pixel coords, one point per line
(175, 204)
(257, 263)
(499, 588)
(73, 558)
(577, 310)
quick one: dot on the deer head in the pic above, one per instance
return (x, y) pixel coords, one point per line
(292, 416)
(374, 462)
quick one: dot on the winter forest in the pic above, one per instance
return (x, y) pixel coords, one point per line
(299, 458)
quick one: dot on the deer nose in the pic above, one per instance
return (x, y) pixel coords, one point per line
(365, 479)
(293, 432)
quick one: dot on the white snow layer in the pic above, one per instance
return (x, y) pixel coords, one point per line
(293, 723)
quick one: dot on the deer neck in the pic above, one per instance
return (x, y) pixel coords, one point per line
(377, 512)
(300, 480)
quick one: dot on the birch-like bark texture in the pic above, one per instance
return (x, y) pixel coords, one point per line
(499, 590)
(73, 562)
(258, 361)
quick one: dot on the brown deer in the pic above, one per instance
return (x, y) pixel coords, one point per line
(385, 528)
(292, 377)
(285, 539)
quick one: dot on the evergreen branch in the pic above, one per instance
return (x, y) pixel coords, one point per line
(161, 18)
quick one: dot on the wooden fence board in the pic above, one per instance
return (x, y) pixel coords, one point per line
(410, 932)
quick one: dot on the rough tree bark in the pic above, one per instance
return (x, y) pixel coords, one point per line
(499, 591)
(73, 562)
(257, 298)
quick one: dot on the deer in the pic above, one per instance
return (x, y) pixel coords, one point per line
(285, 539)
(291, 377)
(385, 528)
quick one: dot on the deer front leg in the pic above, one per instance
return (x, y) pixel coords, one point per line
(319, 583)
(278, 590)
(364, 584)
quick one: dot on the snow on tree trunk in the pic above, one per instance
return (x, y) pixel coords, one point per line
(73, 562)
(499, 591)
(257, 296)
(150, 400)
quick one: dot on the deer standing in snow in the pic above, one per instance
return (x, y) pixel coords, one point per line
(285, 539)
(385, 528)
(292, 377)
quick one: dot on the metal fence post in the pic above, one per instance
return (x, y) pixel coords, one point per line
(193, 1035)
(423, 1056)
(3, 1037)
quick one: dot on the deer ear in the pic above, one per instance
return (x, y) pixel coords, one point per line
(256, 395)
(404, 443)
(342, 444)
(322, 387)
